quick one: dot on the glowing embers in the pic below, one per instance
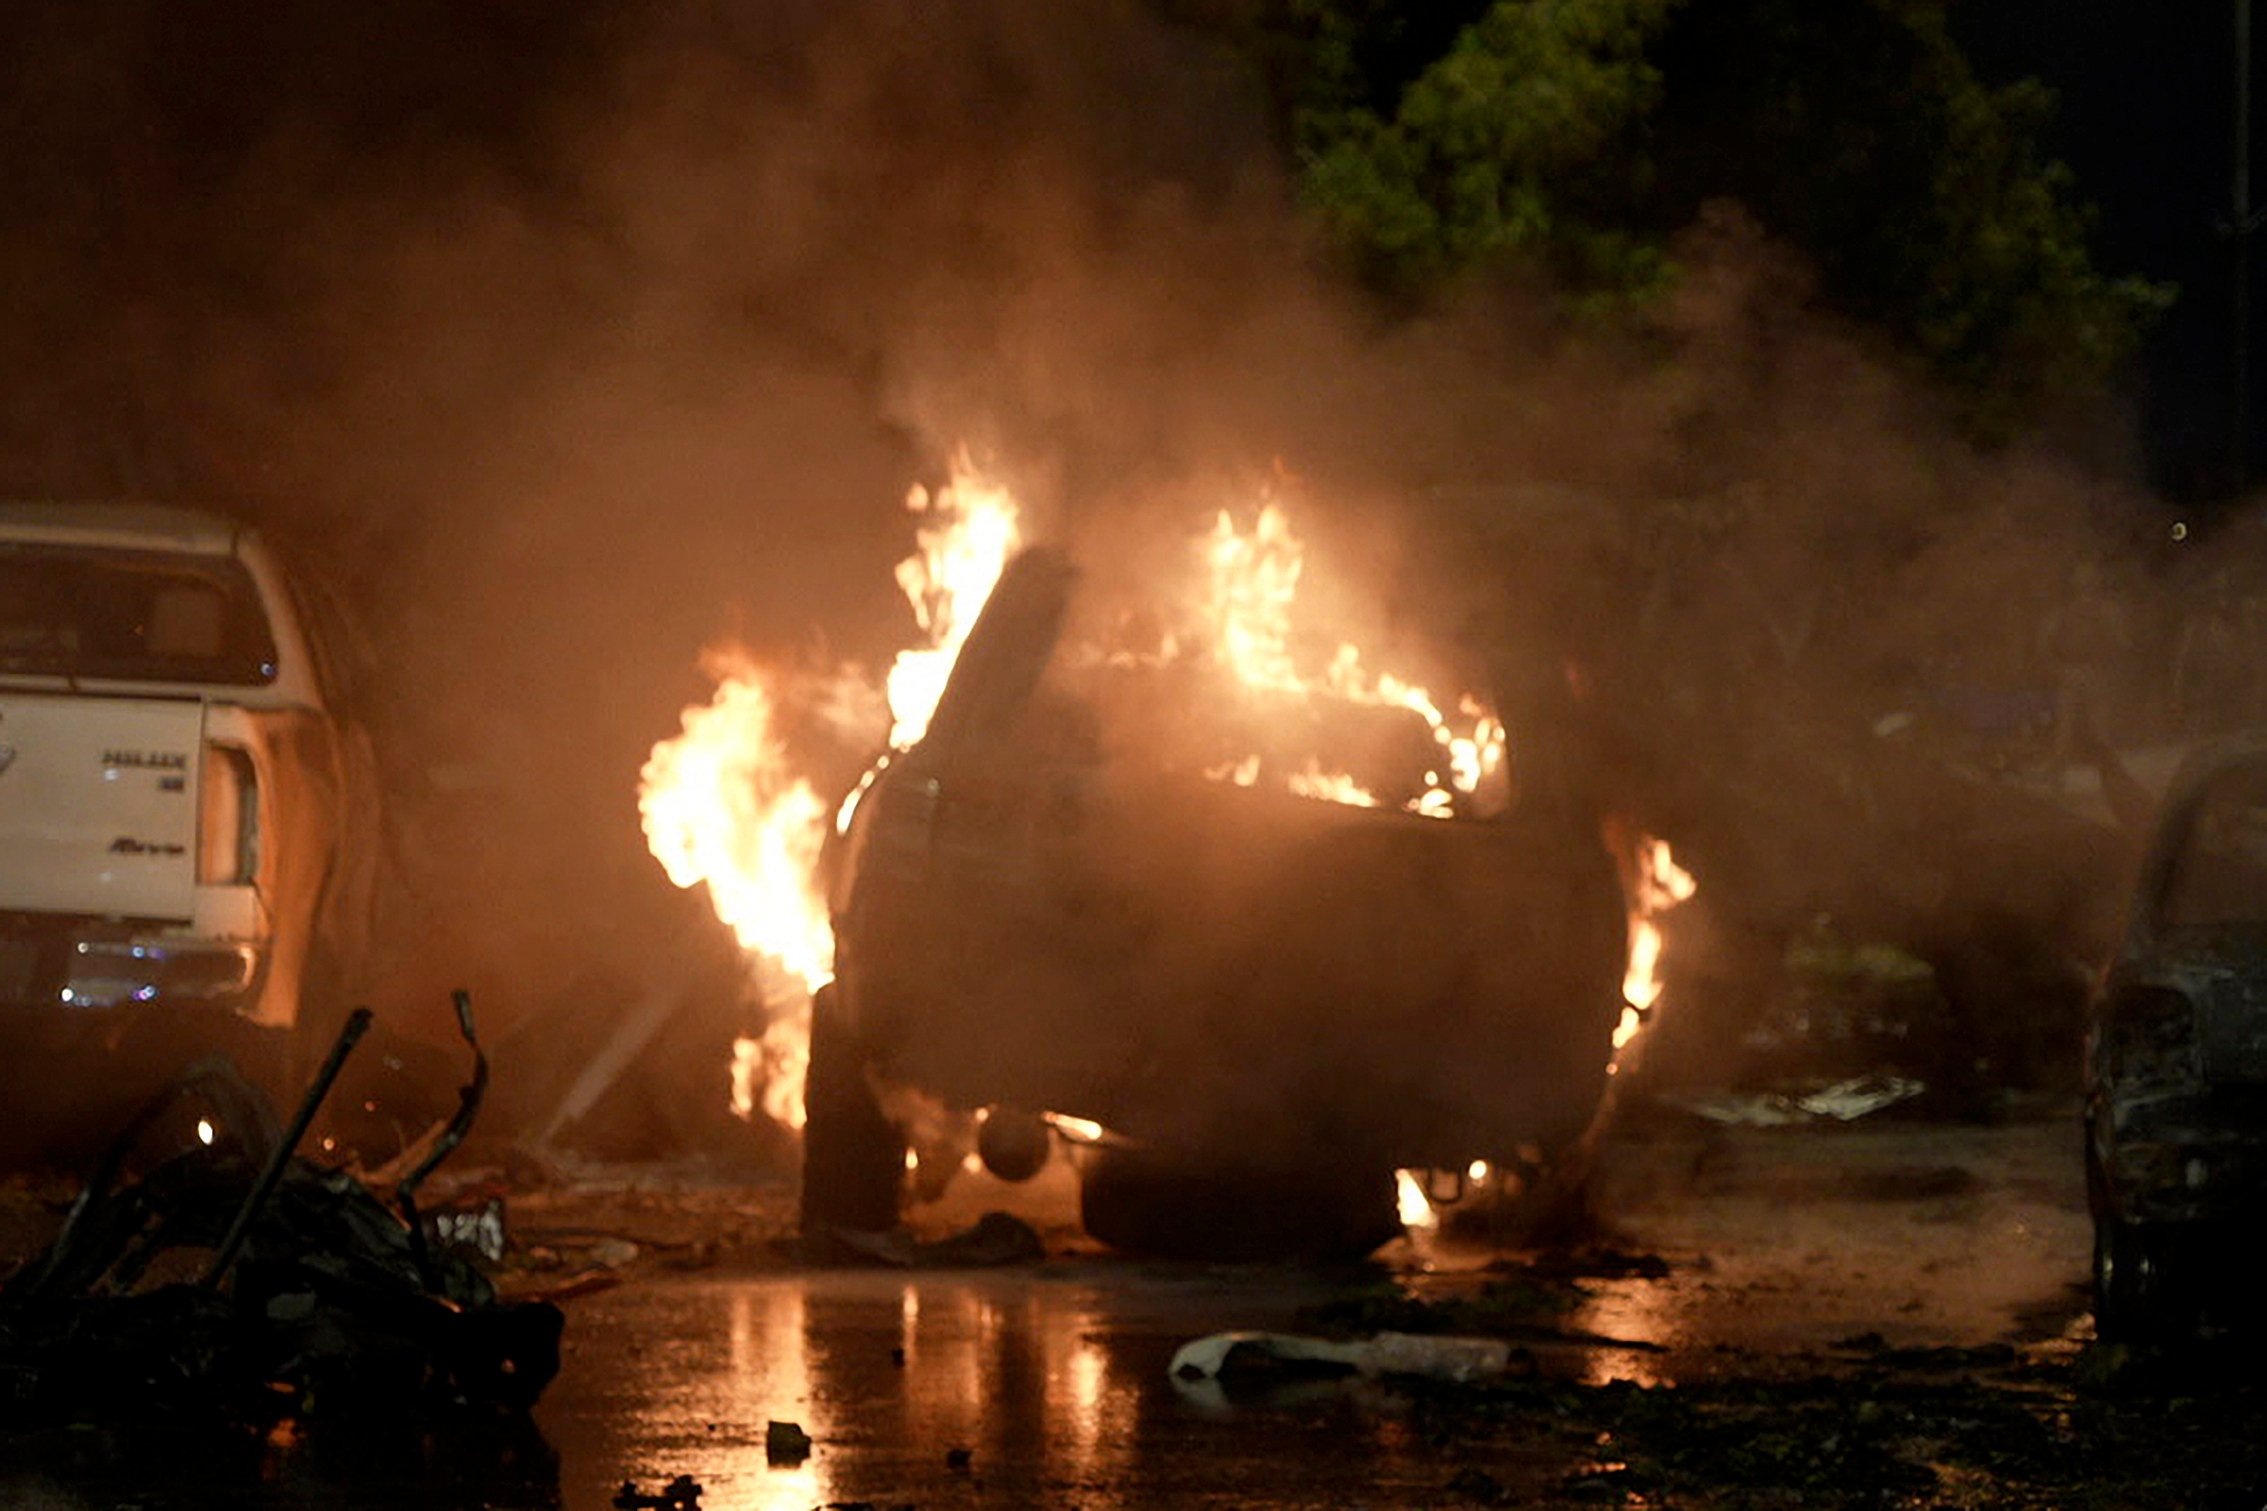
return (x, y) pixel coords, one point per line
(1078, 1130)
(1472, 1195)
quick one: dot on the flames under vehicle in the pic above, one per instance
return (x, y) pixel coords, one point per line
(2176, 1072)
(1079, 892)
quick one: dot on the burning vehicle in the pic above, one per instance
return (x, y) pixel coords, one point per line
(172, 777)
(2176, 1062)
(1264, 935)
(1257, 948)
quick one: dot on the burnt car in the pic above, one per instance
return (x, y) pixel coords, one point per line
(2176, 1061)
(1077, 896)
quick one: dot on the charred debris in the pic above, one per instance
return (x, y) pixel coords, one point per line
(207, 1272)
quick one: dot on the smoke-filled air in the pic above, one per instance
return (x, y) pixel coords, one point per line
(590, 355)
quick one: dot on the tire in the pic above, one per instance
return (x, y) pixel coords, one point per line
(2139, 1294)
(1181, 1206)
(853, 1157)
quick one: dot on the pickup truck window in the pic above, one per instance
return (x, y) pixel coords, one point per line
(132, 616)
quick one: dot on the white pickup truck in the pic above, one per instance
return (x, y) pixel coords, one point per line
(174, 787)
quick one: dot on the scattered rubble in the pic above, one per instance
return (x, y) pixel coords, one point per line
(1396, 1354)
(681, 1494)
(234, 1279)
(2005, 1424)
(786, 1444)
(1843, 1101)
(1994, 1426)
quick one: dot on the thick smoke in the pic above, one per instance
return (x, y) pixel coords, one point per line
(566, 338)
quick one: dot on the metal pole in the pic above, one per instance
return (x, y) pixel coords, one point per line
(357, 1024)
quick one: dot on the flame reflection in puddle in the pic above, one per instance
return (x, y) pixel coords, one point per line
(1637, 1311)
(1050, 1387)
(770, 1362)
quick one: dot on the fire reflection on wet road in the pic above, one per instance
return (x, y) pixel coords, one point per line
(1056, 1390)
(1053, 1376)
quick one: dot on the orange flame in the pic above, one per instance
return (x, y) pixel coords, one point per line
(1657, 884)
(1255, 580)
(1254, 583)
(1414, 1207)
(1311, 780)
(969, 528)
(724, 807)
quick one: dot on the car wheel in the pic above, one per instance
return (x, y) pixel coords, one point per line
(1184, 1206)
(853, 1156)
(2138, 1294)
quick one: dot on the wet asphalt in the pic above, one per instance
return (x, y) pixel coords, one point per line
(1047, 1384)
(1035, 1389)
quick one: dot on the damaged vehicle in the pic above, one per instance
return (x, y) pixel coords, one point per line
(2176, 1062)
(1084, 902)
(175, 785)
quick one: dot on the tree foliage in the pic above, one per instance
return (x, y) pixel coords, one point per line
(1580, 135)
(1507, 143)
(1859, 132)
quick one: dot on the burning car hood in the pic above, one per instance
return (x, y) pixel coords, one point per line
(1007, 650)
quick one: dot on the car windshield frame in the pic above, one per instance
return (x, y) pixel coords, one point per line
(113, 614)
(2215, 867)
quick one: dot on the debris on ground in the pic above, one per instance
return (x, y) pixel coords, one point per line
(1594, 1262)
(1398, 1354)
(581, 1225)
(235, 1278)
(1842, 1101)
(996, 1239)
(786, 1444)
(1990, 1426)
(1511, 1303)
(476, 1226)
(1993, 1424)
(681, 1494)
(1521, 1304)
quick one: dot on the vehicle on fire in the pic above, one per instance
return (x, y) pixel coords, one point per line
(173, 779)
(2176, 1057)
(1078, 897)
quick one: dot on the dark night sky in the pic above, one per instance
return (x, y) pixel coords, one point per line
(2147, 96)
